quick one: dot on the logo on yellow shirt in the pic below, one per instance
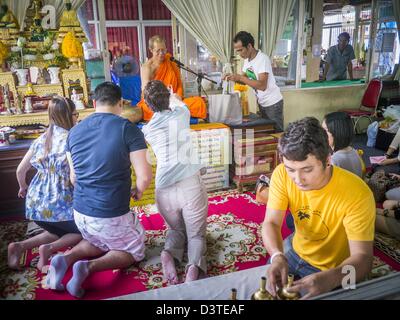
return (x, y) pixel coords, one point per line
(310, 224)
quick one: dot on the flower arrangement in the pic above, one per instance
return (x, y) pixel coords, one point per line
(71, 47)
(16, 58)
(50, 51)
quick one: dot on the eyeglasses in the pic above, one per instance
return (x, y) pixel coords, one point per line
(160, 51)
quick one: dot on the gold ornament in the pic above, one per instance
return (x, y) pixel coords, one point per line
(283, 294)
(262, 293)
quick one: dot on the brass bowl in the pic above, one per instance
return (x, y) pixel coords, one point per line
(132, 113)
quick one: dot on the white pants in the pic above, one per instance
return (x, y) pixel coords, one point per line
(123, 233)
(184, 207)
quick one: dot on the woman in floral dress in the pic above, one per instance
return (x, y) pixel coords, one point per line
(49, 195)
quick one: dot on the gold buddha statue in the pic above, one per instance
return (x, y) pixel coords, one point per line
(8, 19)
(69, 22)
(69, 17)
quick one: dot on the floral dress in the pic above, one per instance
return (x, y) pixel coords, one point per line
(49, 196)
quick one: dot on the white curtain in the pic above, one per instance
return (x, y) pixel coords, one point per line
(274, 15)
(396, 11)
(18, 7)
(60, 6)
(210, 21)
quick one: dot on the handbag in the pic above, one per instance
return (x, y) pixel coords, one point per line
(380, 183)
(226, 107)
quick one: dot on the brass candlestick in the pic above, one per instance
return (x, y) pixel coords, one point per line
(283, 294)
(262, 293)
(233, 294)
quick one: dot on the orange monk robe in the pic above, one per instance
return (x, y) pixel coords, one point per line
(168, 73)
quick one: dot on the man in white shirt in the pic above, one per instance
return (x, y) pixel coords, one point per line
(257, 73)
(181, 196)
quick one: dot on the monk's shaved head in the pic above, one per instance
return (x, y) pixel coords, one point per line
(156, 39)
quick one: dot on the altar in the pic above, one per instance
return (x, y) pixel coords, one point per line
(38, 62)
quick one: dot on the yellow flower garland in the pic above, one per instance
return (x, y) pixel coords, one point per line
(71, 47)
(240, 87)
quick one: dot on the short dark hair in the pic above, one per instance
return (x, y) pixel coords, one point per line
(245, 37)
(341, 128)
(302, 138)
(107, 93)
(345, 35)
(156, 95)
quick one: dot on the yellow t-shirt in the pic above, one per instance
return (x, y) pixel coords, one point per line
(325, 219)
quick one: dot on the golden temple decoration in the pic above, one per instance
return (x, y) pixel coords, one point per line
(8, 20)
(41, 90)
(74, 75)
(33, 11)
(70, 23)
(41, 51)
(34, 118)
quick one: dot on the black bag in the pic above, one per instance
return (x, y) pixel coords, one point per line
(380, 182)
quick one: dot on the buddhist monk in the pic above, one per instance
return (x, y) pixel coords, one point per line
(160, 67)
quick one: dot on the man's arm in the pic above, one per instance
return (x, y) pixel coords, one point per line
(142, 170)
(272, 239)
(72, 175)
(145, 74)
(361, 257)
(326, 69)
(260, 84)
(350, 70)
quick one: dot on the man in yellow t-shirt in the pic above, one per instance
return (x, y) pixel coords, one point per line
(333, 211)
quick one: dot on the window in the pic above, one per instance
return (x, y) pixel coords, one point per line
(387, 47)
(285, 57)
(356, 22)
(129, 25)
(284, 60)
(196, 57)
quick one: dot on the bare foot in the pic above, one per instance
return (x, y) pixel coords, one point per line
(390, 204)
(168, 266)
(44, 255)
(192, 273)
(15, 251)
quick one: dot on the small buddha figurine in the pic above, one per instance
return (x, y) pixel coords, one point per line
(69, 17)
(6, 98)
(8, 19)
(30, 91)
(18, 104)
(77, 100)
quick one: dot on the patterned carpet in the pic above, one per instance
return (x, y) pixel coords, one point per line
(233, 241)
